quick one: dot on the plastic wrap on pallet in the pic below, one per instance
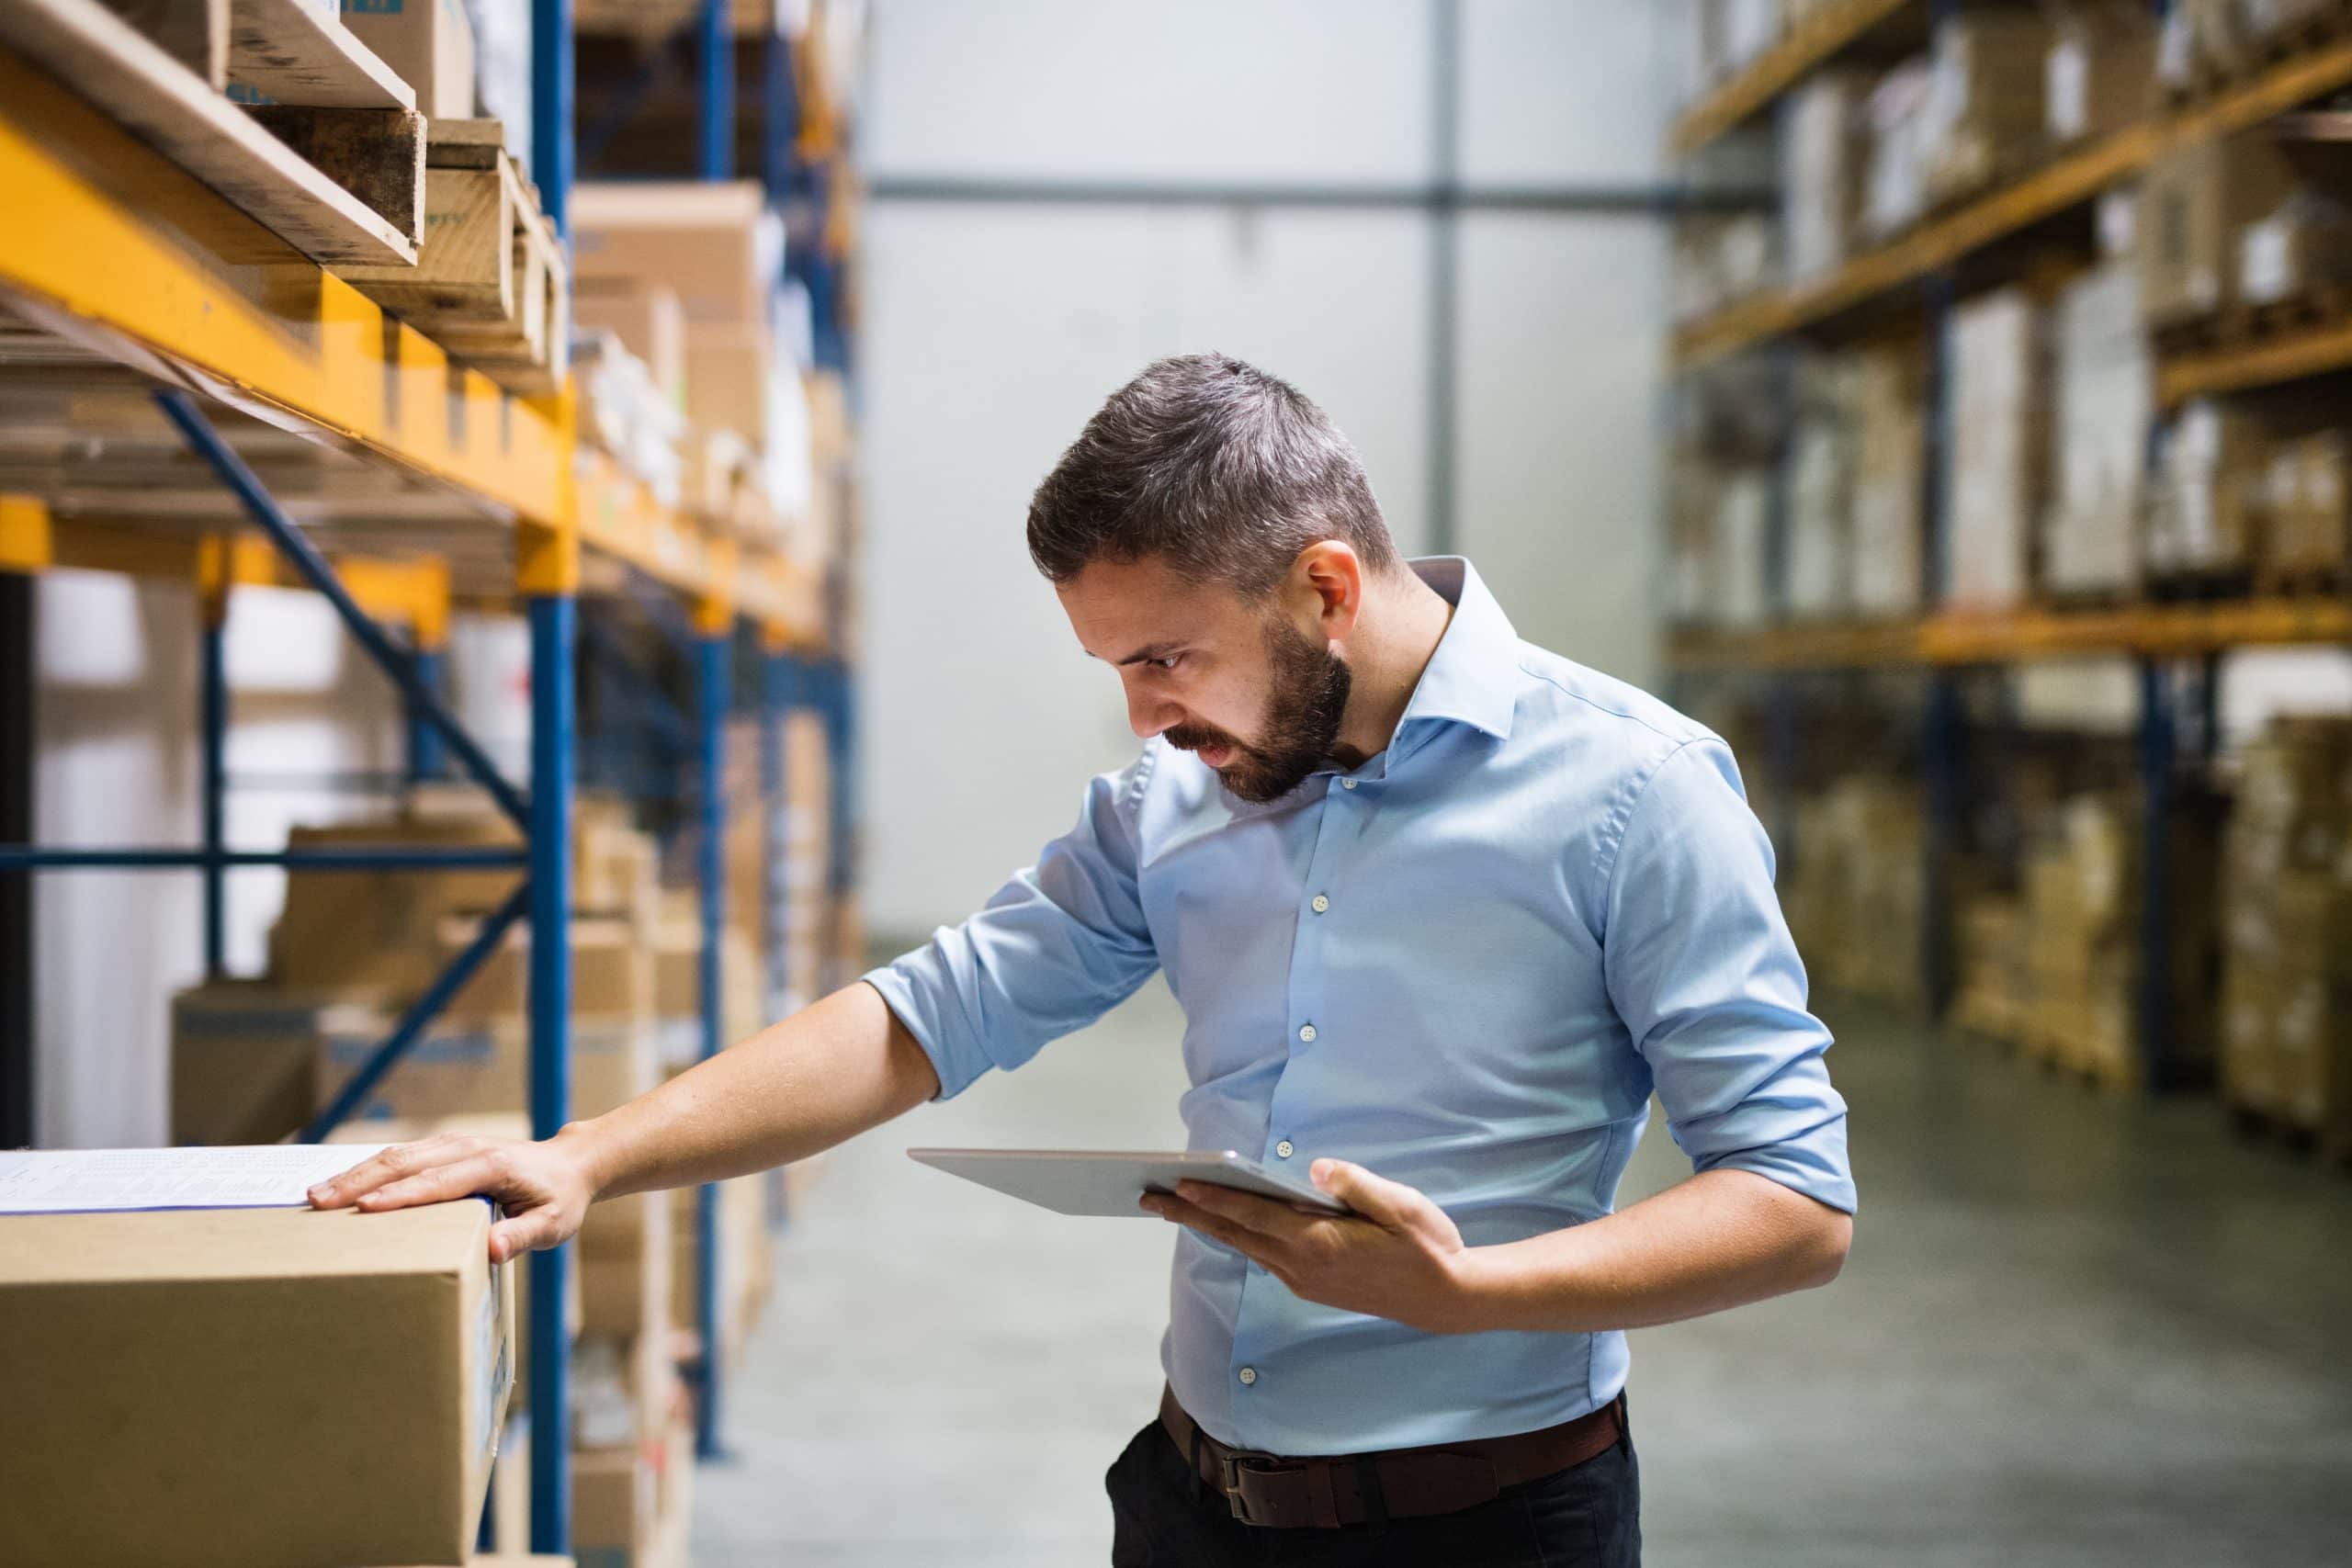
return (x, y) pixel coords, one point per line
(2105, 377)
(1894, 181)
(1996, 479)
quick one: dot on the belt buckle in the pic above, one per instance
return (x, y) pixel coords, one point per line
(1232, 1466)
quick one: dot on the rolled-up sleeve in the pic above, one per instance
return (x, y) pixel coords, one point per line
(1702, 969)
(1058, 946)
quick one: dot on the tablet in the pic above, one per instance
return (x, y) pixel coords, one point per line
(1075, 1181)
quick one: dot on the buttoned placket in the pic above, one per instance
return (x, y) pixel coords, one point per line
(1338, 827)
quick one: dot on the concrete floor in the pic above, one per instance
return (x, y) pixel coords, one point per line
(2074, 1330)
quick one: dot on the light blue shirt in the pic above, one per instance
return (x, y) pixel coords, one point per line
(1464, 966)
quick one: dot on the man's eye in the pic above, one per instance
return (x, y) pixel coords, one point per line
(1169, 662)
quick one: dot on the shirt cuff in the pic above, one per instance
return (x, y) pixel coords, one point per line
(1812, 1163)
(912, 994)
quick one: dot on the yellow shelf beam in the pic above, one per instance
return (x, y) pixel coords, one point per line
(2290, 357)
(2022, 635)
(1813, 41)
(133, 261)
(2074, 178)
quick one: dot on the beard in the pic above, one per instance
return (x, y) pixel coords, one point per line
(1308, 699)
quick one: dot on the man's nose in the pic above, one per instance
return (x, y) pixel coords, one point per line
(1148, 714)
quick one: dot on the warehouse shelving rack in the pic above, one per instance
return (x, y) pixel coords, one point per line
(134, 273)
(2175, 648)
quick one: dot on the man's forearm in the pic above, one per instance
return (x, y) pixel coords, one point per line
(1721, 1239)
(797, 1088)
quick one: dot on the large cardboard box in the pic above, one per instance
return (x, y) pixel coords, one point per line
(1890, 457)
(250, 1388)
(612, 972)
(1987, 112)
(1821, 152)
(1996, 480)
(624, 1265)
(458, 1068)
(244, 1061)
(2194, 201)
(429, 42)
(727, 366)
(651, 321)
(2101, 72)
(615, 1507)
(714, 242)
(2106, 397)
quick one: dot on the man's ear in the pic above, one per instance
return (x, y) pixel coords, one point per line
(1326, 588)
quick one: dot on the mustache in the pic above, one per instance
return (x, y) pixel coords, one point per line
(1199, 738)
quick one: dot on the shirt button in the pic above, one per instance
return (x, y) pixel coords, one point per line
(1248, 1375)
(1307, 1033)
(1284, 1149)
(1321, 903)
(1347, 784)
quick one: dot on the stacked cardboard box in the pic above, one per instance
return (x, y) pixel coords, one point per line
(746, 1260)
(1986, 112)
(2106, 397)
(2308, 536)
(2195, 203)
(2286, 987)
(1824, 146)
(1820, 551)
(1994, 991)
(1853, 896)
(185, 1386)
(2213, 484)
(1890, 457)
(632, 1506)
(2083, 896)
(1894, 179)
(1997, 475)
(2100, 76)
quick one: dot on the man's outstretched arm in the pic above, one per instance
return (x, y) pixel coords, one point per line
(795, 1089)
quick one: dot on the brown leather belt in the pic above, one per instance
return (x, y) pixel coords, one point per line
(1331, 1491)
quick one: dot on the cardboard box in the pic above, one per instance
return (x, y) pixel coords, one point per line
(624, 1258)
(244, 1061)
(2213, 489)
(1986, 112)
(458, 1068)
(612, 972)
(745, 1253)
(650, 320)
(250, 1388)
(727, 366)
(714, 242)
(615, 1507)
(2194, 201)
(1822, 153)
(1890, 457)
(2100, 76)
(429, 42)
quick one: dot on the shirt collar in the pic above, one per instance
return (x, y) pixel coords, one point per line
(1473, 677)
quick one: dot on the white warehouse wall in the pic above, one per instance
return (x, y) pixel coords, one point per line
(994, 329)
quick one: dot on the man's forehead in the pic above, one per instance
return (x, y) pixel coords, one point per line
(1121, 610)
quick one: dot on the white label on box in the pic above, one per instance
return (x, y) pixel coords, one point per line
(2265, 262)
(264, 1176)
(2068, 86)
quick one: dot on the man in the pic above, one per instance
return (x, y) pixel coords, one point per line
(1442, 909)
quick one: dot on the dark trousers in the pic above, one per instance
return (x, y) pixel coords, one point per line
(1586, 1517)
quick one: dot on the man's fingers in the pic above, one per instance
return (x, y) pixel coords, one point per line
(1261, 1214)
(1262, 1249)
(385, 1164)
(513, 1237)
(464, 1178)
(1375, 1197)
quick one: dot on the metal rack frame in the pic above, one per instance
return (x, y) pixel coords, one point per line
(519, 459)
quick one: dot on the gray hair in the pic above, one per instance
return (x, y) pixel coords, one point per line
(1219, 470)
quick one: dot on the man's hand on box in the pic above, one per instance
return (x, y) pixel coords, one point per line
(545, 1188)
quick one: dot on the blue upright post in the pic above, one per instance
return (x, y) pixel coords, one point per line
(214, 679)
(718, 92)
(2157, 747)
(425, 758)
(552, 629)
(552, 68)
(712, 650)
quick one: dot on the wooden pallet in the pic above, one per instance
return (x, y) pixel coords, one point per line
(2200, 585)
(489, 283)
(340, 179)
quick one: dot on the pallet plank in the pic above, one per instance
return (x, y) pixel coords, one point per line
(175, 111)
(296, 52)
